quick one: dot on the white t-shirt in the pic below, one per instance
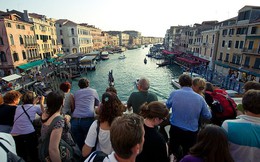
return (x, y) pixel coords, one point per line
(104, 143)
(10, 146)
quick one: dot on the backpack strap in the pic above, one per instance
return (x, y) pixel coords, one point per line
(229, 101)
(3, 146)
(54, 121)
(97, 156)
(97, 130)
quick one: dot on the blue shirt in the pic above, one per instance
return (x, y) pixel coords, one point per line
(85, 101)
(187, 107)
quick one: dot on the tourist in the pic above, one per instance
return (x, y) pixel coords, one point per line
(86, 99)
(60, 129)
(7, 110)
(7, 140)
(110, 108)
(247, 86)
(187, 108)
(136, 99)
(198, 85)
(127, 138)
(69, 104)
(155, 148)
(211, 146)
(23, 131)
(244, 132)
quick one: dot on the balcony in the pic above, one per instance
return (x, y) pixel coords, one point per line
(253, 51)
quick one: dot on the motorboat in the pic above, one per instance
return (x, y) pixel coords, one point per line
(104, 55)
(122, 57)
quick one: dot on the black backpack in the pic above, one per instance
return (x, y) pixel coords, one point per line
(11, 157)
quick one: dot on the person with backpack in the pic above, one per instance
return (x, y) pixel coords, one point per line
(98, 137)
(222, 106)
(56, 143)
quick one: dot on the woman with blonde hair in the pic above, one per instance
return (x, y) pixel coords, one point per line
(155, 148)
(198, 85)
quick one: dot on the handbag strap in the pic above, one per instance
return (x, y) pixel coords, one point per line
(27, 113)
(21, 114)
(97, 130)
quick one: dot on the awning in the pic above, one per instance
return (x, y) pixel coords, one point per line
(11, 77)
(51, 60)
(200, 59)
(87, 58)
(255, 73)
(59, 54)
(31, 65)
(221, 64)
(167, 52)
(188, 61)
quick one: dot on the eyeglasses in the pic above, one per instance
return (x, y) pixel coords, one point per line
(164, 119)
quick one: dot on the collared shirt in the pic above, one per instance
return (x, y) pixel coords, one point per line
(85, 101)
(244, 138)
(187, 107)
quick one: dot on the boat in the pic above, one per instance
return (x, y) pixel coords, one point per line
(88, 62)
(104, 55)
(176, 83)
(121, 57)
(163, 63)
(145, 60)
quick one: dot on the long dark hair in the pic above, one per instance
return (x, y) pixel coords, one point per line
(54, 101)
(111, 107)
(212, 145)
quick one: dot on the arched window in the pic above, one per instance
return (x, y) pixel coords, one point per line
(72, 31)
(15, 56)
(11, 39)
(1, 41)
(73, 40)
(3, 57)
(21, 39)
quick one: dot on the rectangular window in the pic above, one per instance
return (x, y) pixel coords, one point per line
(224, 32)
(227, 57)
(257, 63)
(247, 60)
(234, 59)
(237, 43)
(251, 45)
(220, 56)
(223, 43)
(229, 44)
(241, 45)
(253, 30)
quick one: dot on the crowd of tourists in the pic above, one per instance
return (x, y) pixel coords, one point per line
(81, 127)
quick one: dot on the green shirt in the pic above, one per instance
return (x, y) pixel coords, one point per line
(136, 99)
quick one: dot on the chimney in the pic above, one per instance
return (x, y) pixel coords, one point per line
(7, 10)
(25, 15)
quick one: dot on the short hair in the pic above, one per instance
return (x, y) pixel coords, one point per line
(200, 82)
(11, 96)
(28, 97)
(54, 101)
(209, 136)
(209, 87)
(185, 80)
(65, 86)
(83, 83)
(144, 83)
(110, 108)
(126, 131)
(111, 89)
(154, 109)
(251, 101)
(251, 85)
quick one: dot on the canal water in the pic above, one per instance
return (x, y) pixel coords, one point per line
(127, 70)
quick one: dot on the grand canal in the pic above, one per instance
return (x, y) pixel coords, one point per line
(126, 71)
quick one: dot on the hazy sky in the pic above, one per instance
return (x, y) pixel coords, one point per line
(150, 17)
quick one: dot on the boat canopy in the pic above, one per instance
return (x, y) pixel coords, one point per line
(11, 77)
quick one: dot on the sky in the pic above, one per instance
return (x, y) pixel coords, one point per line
(150, 17)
